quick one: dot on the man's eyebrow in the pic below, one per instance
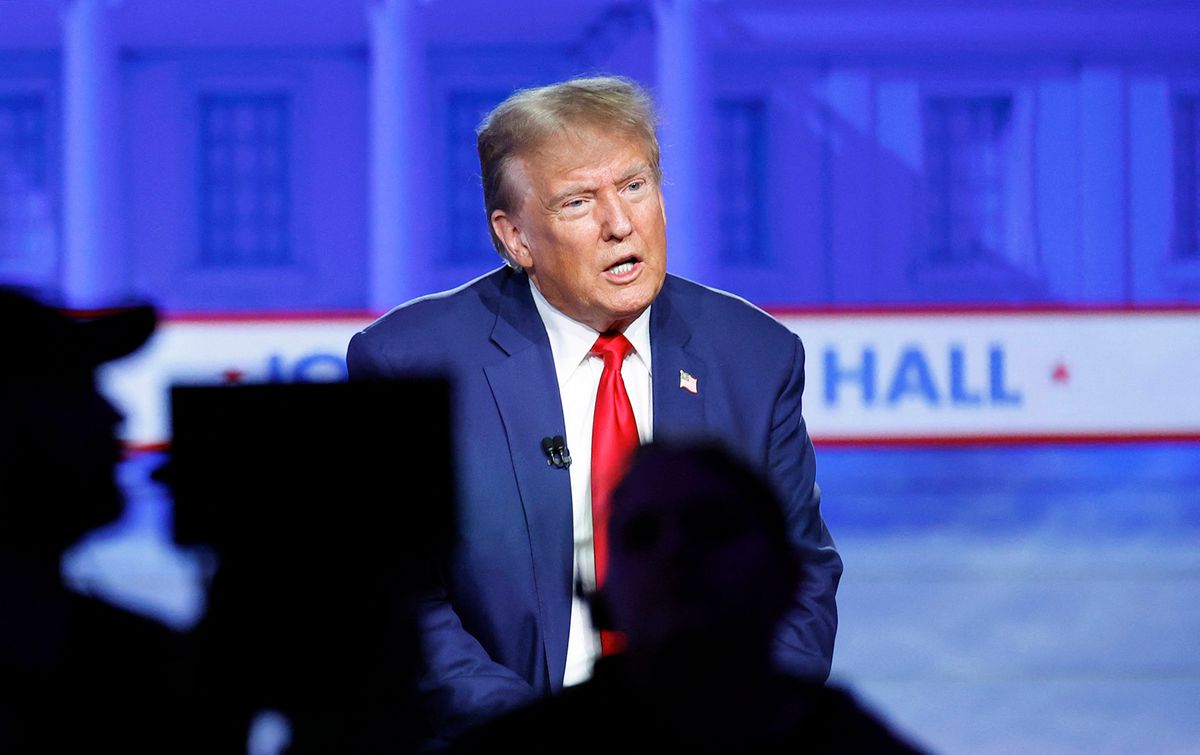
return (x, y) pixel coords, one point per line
(635, 170)
(577, 188)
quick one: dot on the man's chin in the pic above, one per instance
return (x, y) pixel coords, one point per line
(628, 309)
(620, 321)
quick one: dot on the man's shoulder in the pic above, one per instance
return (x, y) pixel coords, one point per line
(433, 332)
(720, 316)
(474, 302)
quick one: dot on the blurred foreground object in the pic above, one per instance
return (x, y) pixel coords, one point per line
(326, 506)
(702, 572)
(76, 674)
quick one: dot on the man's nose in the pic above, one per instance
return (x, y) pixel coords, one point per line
(615, 222)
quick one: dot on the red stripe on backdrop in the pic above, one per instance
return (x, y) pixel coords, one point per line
(863, 441)
(138, 449)
(269, 317)
(988, 309)
(867, 441)
(781, 311)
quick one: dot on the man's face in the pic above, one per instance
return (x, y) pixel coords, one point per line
(64, 451)
(590, 229)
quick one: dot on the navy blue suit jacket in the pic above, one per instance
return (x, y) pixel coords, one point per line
(497, 636)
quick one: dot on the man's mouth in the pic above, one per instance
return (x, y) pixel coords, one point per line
(624, 267)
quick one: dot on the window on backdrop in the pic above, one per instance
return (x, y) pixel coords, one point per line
(965, 149)
(741, 172)
(469, 239)
(1187, 177)
(245, 182)
(28, 250)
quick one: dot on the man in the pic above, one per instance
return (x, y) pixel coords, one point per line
(572, 188)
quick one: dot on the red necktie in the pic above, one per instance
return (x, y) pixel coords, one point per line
(614, 439)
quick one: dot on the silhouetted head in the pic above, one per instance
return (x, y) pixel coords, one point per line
(698, 553)
(58, 444)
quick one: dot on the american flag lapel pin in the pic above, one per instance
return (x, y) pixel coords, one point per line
(688, 382)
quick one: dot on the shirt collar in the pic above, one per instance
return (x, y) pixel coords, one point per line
(571, 340)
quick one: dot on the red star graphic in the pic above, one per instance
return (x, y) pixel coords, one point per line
(1061, 374)
(233, 376)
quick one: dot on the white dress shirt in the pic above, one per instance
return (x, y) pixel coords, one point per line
(578, 379)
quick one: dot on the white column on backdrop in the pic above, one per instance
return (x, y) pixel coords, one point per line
(680, 80)
(395, 106)
(94, 266)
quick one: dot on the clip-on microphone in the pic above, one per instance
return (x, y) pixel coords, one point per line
(556, 452)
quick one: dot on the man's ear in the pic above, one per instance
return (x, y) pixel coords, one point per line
(512, 238)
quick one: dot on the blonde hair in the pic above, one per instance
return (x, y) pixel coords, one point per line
(529, 117)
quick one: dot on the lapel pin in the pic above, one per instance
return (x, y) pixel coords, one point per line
(688, 382)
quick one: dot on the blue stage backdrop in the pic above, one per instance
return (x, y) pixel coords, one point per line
(983, 218)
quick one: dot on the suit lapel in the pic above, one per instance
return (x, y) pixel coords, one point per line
(678, 413)
(525, 389)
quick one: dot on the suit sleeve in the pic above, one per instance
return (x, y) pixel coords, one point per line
(804, 644)
(460, 686)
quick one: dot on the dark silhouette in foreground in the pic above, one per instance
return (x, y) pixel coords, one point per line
(700, 573)
(324, 504)
(76, 674)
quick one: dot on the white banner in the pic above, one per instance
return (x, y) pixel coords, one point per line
(870, 377)
(970, 375)
(222, 352)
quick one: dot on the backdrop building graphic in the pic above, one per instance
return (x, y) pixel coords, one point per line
(318, 155)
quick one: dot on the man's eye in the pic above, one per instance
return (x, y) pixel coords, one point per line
(636, 185)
